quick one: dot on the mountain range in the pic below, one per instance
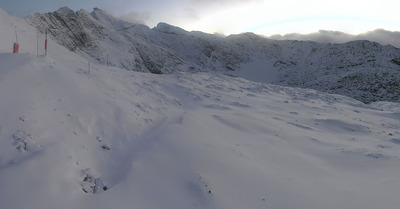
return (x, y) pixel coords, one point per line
(364, 70)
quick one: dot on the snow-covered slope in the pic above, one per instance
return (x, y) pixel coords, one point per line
(134, 46)
(362, 70)
(111, 138)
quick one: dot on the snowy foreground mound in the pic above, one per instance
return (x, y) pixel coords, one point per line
(110, 138)
(119, 139)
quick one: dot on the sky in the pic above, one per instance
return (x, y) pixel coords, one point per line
(265, 17)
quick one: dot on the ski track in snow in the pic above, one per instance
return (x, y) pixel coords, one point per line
(110, 138)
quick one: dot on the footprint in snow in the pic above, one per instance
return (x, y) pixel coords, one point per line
(238, 104)
(395, 141)
(378, 156)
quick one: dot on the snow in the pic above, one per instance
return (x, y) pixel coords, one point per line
(258, 70)
(111, 138)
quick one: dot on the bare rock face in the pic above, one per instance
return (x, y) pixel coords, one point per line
(77, 30)
(136, 47)
(396, 61)
(362, 70)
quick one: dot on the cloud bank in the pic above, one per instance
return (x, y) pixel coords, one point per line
(136, 17)
(381, 36)
(175, 12)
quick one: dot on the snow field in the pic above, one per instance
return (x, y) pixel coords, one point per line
(110, 138)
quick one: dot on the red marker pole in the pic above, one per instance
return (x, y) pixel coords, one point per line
(16, 45)
(15, 48)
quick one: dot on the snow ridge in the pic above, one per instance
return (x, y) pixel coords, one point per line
(363, 70)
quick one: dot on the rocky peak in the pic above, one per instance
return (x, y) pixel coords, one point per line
(64, 11)
(169, 29)
(75, 30)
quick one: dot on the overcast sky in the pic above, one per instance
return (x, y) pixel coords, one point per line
(266, 17)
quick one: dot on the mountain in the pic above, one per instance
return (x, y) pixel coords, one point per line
(98, 136)
(163, 49)
(363, 70)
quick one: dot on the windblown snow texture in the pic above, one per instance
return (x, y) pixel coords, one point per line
(103, 137)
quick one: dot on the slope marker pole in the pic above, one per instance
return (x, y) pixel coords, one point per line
(37, 43)
(16, 45)
(16, 36)
(45, 45)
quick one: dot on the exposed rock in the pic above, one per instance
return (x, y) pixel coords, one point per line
(112, 41)
(91, 184)
(21, 139)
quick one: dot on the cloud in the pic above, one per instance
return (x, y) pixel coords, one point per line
(223, 1)
(136, 17)
(191, 13)
(174, 12)
(216, 5)
(322, 36)
(381, 36)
